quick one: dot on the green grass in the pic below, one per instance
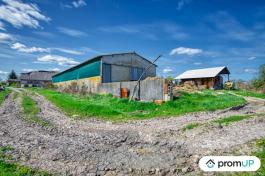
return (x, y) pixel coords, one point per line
(109, 108)
(261, 155)
(3, 95)
(231, 119)
(31, 111)
(16, 94)
(10, 168)
(250, 94)
(190, 126)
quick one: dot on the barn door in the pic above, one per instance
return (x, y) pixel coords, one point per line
(106, 73)
(136, 73)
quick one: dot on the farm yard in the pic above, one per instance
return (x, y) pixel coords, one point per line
(45, 132)
(132, 88)
(112, 108)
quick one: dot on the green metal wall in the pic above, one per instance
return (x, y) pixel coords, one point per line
(86, 71)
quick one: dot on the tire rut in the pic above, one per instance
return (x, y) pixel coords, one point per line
(66, 151)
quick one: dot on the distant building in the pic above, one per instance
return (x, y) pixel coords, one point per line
(210, 78)
(13, 82)
(107, 68)
(36, 78)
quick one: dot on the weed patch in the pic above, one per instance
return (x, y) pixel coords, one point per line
(3, 95)
(190, 126)
(31, 111)
(231, 119)
(10, 168)
(261, 155)
(250, 94)
(15, 95)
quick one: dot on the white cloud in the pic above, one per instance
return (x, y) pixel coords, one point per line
(21, 14)
(60, 60)
(4, 37)
(151, 31)
(79, 3)
(55, 69)
(44, 34)
(230, 28)
(63, 6)
(250, 70)
(28, 70)
(23, 48)
(197, 63)
(185, 51)
(3, 72)
(69, 51)
(167, 70)
(252, 58)
(3, 75)
(74, 4)
(130, 29)
(2, 26)
(181, 3)
(72, 32)
(31, 69)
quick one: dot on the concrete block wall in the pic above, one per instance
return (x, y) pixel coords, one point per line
(149, 89)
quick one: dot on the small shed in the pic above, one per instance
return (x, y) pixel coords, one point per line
(210, 78)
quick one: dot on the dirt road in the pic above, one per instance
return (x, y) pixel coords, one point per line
(149, 147)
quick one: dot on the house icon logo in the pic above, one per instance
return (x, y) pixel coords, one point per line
(210, 163)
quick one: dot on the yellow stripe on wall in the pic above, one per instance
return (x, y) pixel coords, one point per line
(94, 80)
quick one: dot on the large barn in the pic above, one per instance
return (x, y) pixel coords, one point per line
(211, 78)
(106, 69)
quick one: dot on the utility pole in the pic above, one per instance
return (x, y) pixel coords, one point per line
(138, 82)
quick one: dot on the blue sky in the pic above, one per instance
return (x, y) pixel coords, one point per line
(190, 34)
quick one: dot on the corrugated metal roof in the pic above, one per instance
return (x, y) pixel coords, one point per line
(98, 58)
(38, 75)
(203, 73)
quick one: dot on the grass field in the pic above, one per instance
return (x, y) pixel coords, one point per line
(31, 111)
(3, 94)
(249, 93)
(9, 168)
(261, 155)
(109, 108)
(231, 119)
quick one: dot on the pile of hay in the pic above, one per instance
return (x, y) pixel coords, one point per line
(188, 86)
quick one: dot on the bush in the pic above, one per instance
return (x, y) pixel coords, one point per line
(72, 88)
(259, 83)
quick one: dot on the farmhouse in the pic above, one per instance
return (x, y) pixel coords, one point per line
(211, 78)
(107, 68)
(36, 78)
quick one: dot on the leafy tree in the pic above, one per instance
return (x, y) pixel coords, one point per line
(169, 78)
(262, 73)
(12, 75)
(259, 83)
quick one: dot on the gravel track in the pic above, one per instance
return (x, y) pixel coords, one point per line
(148, 147)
